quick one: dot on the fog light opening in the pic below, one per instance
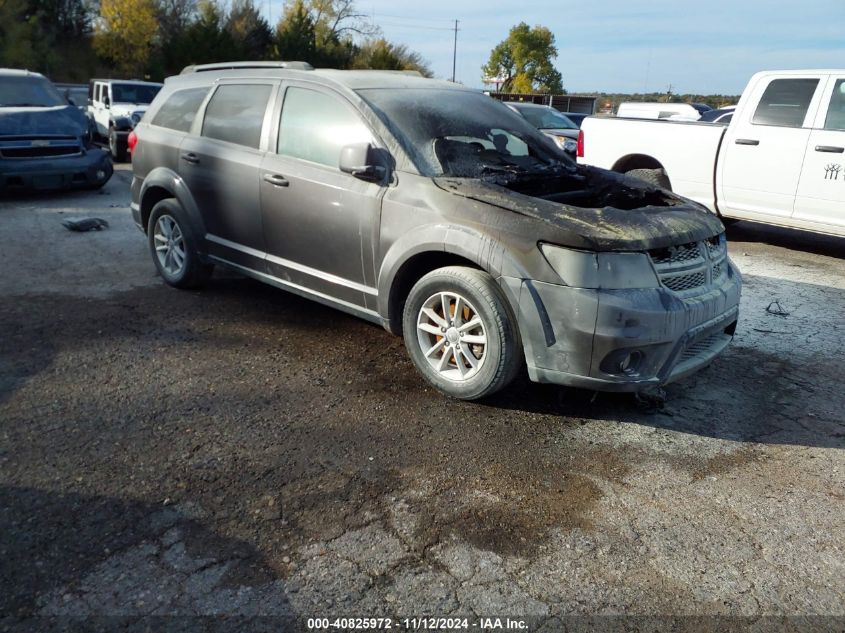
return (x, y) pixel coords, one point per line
(100, 174)
(630, 363)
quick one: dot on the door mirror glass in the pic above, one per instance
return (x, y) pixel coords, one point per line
(359, 160)
(106, 101)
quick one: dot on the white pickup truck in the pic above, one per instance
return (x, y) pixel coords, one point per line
(781, 159)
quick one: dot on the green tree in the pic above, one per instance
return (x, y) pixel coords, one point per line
(207, 38)
(125, 32)
(379, 54)
(524, 61)
(295, 34)
(249, 30)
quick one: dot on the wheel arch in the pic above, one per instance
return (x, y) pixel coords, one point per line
(420, 252)
(162, 183)
(636, 161)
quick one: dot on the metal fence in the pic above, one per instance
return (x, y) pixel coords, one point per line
(564, 103)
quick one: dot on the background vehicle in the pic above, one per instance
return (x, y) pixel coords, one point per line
(77, 93)
(719, 115)
(576, 117)
(45, 143)
(438, 213)
(116, 106)
(648, 110)
(550, 122)
(778, 161)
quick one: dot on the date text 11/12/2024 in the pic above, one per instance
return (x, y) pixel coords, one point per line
(416, 624)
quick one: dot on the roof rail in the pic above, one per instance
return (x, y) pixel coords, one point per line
(199, 68)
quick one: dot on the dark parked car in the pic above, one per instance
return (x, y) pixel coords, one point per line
(550, 122)
(76, 94)
(438, 213)
(719, 115)
(45, 142)
(576, 117)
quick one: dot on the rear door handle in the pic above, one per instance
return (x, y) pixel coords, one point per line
(276, 179)
(190, 157)
(747, 141)
(830, 148)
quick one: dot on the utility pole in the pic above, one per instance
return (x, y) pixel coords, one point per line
(455, 52)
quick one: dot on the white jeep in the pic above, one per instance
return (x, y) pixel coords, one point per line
(115, 106)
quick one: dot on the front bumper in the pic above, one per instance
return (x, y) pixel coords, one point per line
(579, 337)
(91, 168)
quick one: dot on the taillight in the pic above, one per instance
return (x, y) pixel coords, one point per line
(580, 148)
(132, 141)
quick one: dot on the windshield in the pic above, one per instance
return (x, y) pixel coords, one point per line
(28, 92)
(546, 118)
(133, 93)
(463, 134)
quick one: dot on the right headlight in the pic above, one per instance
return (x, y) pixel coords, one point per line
(610, 271)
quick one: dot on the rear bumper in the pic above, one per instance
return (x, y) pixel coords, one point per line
(621, 340)
(92, 168)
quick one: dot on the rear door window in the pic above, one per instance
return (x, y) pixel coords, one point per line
(315, 126)
(785, 102)
(235, 113)
(835, 119)
(180, 109)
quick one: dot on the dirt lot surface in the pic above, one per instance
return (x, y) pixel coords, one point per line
(240, 451)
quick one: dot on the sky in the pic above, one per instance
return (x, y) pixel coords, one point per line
(699, 47)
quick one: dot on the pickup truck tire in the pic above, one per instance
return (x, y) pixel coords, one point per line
(475, 350)
(656, 177)
(117, 146)
(173, 246)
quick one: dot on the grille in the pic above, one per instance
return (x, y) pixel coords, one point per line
(687, 268)
(676, 254)
(685, 282)
(700, 347)
(39, 152)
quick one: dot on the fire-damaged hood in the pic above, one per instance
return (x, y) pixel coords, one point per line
(595, 209)
(63, 120)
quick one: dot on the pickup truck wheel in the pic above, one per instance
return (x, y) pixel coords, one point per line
(174, 247)
(655, 177)
(117, 146)
(460, 333)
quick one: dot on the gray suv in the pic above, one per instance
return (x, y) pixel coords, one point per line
(438, 213)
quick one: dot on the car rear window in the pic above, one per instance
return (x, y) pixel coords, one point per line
(236, 113)
(785, 102)
(180, 109)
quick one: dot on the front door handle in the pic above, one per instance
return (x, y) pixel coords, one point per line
(747, 141)
(276, 179)
(190, 157)
(830, 148)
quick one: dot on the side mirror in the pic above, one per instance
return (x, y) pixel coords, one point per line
(359, 160)
(106, 102)
(71, 101)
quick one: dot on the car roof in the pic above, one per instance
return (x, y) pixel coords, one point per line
(522, 104)
(17, 72)
(351, 79)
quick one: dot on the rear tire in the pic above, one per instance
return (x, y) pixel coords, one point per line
(655, 177)
(173, 246)
(117, 146)
(475, 350)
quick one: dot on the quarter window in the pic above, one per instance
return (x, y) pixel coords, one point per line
(785, 102)
(835, 119)
(236, 113)
(315, 126)
(180, 109)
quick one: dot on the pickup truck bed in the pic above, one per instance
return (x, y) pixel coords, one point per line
(781, 159)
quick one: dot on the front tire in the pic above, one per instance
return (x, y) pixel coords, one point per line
(173, 246)
(460, 333)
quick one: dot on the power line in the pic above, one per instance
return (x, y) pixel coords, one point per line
(415, 26)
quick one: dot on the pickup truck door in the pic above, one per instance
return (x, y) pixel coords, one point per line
(821, 188)
(764, 147)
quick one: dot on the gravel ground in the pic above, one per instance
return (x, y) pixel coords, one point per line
(242, 452)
